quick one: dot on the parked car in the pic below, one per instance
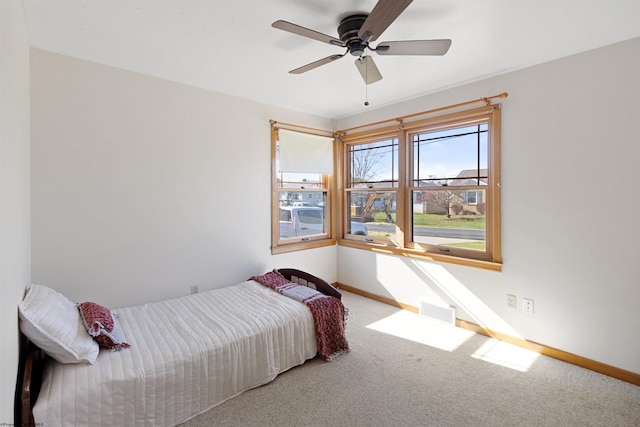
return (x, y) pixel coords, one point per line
(359, 229)
(298, 221)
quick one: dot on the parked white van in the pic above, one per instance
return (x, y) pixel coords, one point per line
(298, 221)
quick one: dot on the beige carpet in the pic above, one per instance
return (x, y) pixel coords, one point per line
(430, 375)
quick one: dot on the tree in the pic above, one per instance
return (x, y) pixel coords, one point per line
(364, 164)
(444, 198)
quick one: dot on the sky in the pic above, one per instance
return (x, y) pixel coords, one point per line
(440, 154)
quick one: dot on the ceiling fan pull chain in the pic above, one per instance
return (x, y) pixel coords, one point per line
(366, 95)
(366, 87)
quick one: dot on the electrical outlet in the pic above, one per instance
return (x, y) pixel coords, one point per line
(194, 289)
(527, 305)
(511, 301)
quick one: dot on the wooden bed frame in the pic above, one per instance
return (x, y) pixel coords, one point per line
(32, 358)
(306, 279)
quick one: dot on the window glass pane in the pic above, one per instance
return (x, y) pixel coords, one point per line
(302, 214)
(372, 214)
(451, 157)
(299, 180)
(450, 218)
(374, 165)
(301, 198)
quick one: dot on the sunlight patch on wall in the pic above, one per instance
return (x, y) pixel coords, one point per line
(464, 299)
(402, 283)
(507, 355)
(417, 328)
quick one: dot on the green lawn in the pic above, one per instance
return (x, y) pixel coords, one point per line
(478, 246)
(476, 222)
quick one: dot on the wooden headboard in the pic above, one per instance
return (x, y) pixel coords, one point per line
(304, 278)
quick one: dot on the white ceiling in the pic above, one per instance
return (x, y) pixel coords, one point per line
(229, 46)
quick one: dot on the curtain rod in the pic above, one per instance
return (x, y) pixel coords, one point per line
(292, 126)
(487, 101)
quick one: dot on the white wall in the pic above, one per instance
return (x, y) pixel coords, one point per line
(570, 157)
(143, 187)
(14, 192)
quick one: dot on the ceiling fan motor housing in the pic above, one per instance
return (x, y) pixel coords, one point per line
(348, 31)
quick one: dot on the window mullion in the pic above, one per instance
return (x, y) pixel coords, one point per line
(403, 212)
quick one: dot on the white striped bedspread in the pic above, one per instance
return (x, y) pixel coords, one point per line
(187, 355)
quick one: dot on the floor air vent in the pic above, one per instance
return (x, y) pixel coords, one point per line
(438, 312)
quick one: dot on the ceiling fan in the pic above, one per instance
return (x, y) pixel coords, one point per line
(358, 30)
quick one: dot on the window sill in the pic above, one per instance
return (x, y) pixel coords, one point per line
(419, 254)
(301, 246)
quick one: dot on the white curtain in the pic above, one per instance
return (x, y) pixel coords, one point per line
(305, 153)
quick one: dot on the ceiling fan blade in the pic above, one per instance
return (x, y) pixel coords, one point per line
(315, 64)
(305, 32)
(382, 15)
(368, 69)
(414, 47)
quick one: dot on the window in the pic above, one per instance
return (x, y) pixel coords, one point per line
(301, 190)
(472, 197)
(371, 189)
(428, 188)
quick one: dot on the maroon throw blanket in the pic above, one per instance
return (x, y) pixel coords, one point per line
(329, 314)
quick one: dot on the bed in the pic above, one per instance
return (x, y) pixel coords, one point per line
(177, 358)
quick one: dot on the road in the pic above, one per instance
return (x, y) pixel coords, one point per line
(450, 233)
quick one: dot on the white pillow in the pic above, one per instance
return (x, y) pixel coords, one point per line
(54, 324)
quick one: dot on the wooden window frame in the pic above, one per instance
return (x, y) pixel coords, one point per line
(279, 245)
(491, 258)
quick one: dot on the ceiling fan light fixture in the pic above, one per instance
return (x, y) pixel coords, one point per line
(357, 51)
(368, 69)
